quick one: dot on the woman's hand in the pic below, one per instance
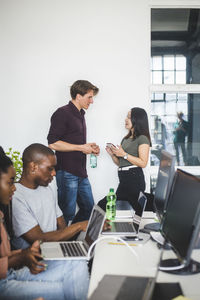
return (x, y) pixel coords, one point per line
(31, 257)
(110, 150)
(118, 151)
(36, 246)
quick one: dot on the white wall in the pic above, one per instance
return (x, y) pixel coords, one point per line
(46, 45)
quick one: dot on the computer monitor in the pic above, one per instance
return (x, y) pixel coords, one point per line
(181, 223)
(164, 181)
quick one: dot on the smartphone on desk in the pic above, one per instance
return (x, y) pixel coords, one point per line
(110, 145)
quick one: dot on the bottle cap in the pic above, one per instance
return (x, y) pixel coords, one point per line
(111, 190)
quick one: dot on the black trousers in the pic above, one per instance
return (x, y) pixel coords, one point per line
(131, 182)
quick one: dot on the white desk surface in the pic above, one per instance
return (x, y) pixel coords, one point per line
(119, 260)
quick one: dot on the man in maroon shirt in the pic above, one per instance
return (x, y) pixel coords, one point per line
(67, 135)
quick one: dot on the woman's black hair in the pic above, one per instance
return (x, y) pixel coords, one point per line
(5, 163)
(140, 123)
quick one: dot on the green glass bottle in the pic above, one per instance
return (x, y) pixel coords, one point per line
(93, 161)
(111, 205)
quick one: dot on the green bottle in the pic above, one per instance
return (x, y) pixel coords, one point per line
(93, 161)
(111, 205)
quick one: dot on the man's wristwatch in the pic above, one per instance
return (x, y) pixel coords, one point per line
(126, 156)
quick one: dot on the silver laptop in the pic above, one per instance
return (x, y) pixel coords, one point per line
(128, 228)
(76, 249)
(124, 210)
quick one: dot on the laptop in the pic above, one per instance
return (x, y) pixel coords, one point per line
(117, 287)
(76, 250)
(122, 287)
(124, 210)
(128, 228)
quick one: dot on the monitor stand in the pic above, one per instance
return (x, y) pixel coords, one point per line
(152, 226)
(192, 268)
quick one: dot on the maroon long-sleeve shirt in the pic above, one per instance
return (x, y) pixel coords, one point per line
(68, 125)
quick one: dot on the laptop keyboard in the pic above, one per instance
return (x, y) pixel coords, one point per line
(124, 227)
(72, 249)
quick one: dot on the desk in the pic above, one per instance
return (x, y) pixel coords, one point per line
(119, 260)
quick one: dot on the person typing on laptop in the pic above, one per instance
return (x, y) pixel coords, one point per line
(36, 214)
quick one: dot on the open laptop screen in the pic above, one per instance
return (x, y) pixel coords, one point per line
(95, 225)
(142, 200)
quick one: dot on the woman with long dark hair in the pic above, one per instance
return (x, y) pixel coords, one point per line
(132, 156)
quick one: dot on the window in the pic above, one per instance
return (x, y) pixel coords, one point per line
(168, 69)
(175, 87)
(175, 127)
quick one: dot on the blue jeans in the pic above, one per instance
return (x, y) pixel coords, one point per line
(62, 280)
(71, 190)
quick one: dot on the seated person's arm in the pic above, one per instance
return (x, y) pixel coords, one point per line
(61, 224)
(59, 235)
(28, 257)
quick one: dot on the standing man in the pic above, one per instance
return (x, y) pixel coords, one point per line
(180, 132)
(67, 136)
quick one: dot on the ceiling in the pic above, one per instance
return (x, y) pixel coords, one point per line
(175, 31)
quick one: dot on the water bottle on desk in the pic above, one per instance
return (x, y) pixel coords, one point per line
(93, 160)
(111, 205)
